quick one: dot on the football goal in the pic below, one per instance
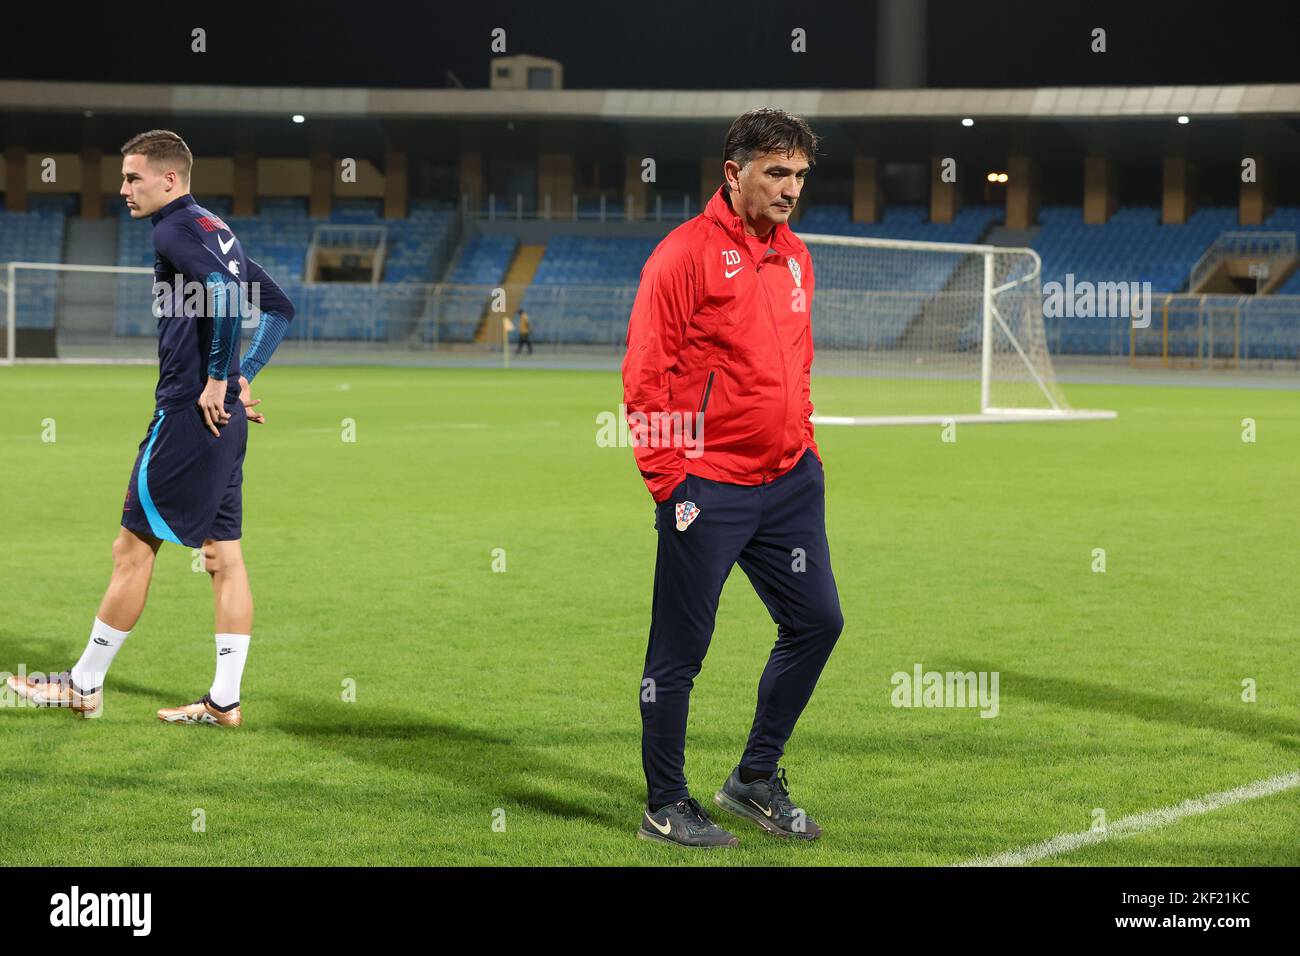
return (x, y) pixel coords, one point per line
(935, 331)
(78, 313)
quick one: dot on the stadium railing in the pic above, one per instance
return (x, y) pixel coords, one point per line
(1269, 246)
(1229, 331)
(604, 209)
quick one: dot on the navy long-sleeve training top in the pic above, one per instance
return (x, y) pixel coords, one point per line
(199, 317)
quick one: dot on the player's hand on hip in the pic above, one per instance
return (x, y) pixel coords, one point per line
(246, 396)
(213, 405)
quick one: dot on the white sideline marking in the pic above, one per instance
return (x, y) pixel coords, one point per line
(420, 425)
(992, 417)
(447, 425)
(1151, 820)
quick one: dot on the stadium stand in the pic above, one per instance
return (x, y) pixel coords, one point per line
(35, 236)
(569, 305)
(480, 267)
(1135, 246)
(583, 289)
(902, 222)
(278, 237)
(483, 260)
(584, 284)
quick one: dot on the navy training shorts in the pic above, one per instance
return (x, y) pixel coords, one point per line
(187, 483)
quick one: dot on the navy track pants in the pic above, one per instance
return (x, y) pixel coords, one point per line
(777, 533)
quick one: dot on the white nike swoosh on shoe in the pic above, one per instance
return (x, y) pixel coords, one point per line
(665, 830)
(765, 810)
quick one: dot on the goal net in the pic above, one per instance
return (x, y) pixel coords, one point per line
(934, 331)
(82, 313)
(78, 313)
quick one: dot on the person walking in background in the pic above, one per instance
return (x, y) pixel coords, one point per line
(525, 332)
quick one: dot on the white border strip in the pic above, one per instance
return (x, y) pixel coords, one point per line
(1139, 823)
(1021, 415)
(74, 267)
(679, 105)
(926, 245)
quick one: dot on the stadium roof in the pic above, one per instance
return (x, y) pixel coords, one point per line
(1048, 103)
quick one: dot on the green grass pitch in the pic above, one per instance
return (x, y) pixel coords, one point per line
(480, 691)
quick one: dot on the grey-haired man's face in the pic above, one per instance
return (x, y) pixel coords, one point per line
(766, 188)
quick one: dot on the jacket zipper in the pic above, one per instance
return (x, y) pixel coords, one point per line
(776, 338)
(697, 426)
(708, 387)
(771, 318)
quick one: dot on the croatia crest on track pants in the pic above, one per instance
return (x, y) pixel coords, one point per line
(776, 532)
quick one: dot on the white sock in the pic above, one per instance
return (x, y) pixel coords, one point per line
(89, 672)
(232, 650)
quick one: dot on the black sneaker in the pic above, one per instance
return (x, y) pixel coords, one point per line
(767, 803)
(684, 823)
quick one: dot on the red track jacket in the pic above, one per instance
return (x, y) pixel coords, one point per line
(717, 331)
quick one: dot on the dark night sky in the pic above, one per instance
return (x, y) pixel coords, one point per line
(674, 44)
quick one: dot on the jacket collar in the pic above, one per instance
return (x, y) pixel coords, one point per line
(171, 207)
(720, 211)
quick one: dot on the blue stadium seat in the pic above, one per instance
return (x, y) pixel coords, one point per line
(278, 238)
(1132, 247)
(35, 236)
(484, 260)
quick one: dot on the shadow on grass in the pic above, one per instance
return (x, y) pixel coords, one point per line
(1242, 720)
(50, 655)
(493, 764)
(36, 654)
(165, 697)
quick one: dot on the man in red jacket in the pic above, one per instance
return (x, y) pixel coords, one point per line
(716, 386)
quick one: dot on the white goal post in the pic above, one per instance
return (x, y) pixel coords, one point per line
(78, 313)
(8, 357)
(938, 331)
